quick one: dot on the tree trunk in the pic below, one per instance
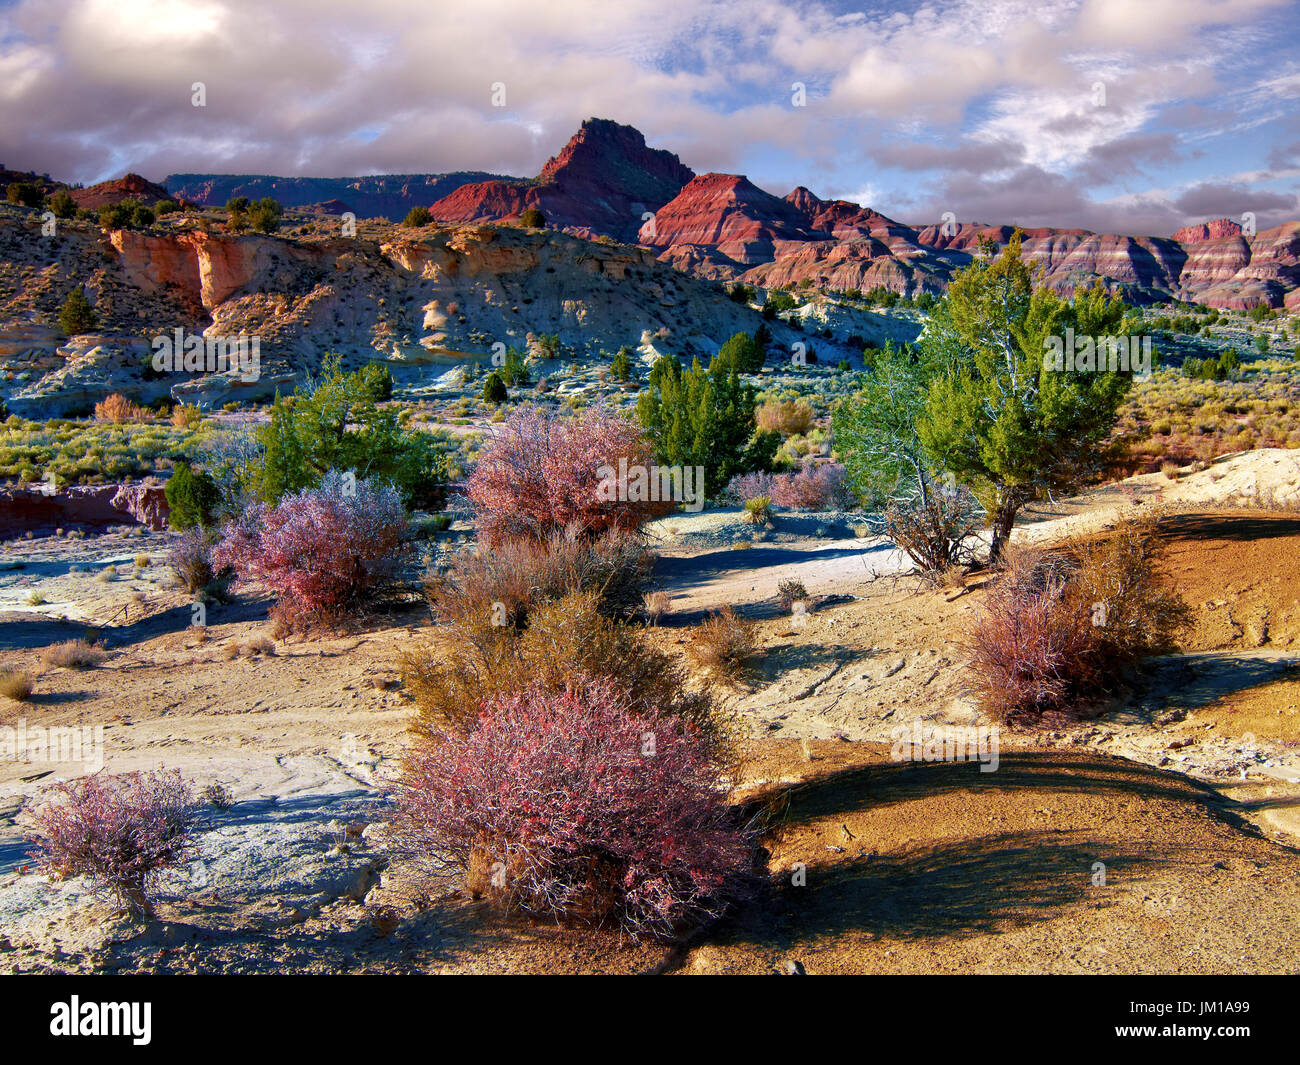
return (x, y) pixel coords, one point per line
(1003, 519)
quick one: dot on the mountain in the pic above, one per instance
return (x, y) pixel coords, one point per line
(388, 196)
(128, 187)
(602, 183)
(606, 181)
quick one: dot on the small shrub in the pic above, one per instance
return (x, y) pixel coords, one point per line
(119, 410)
(1059, 629)
(323, 551)
(572, 806)
(504, 583)
(450, 676)
(722, 643)
(789, 592)
(190, 558)
(532, 218)
(218, 795)
(186, 416)
(76, 316)
(656, 605)
(786, 417)
(417, 217)
(758, 511)
(494, 389)
(35, 599)
(192, 496)
(118, 830)
(16, 684)
(1034, 649)
(934, 532)
(1119, 579)
(72, 654)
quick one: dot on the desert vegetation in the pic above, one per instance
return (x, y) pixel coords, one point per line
(120, 831)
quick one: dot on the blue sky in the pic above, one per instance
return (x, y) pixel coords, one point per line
(1133, 116)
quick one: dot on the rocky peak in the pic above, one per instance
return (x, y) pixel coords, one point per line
(128, 187)
(1215, 230)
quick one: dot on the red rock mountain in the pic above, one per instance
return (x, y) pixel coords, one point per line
(602, 182)
(130, 187)
(607, 182)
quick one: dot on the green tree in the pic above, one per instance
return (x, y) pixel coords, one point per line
(237, 213)
(621, 367)
(417, 217)
(335, 422)
(192, 496)
(705, 418)
(743, 351)
(875, 430)
(264, 215)
(1003, 421)
(25, 194)
(494, 389)
(532, 218)
(62, 204)
(515, 371)
(76, 315)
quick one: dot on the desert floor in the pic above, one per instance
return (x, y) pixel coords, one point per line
(1186, 790)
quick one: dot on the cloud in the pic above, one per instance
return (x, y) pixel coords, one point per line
(952, 102)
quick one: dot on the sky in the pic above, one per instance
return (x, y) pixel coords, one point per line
(1121, 116)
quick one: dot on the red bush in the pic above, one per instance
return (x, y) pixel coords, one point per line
(815, 486)
(569, 805)
(1034, 647)
(541, 474)
(118, 830)
(323, 551)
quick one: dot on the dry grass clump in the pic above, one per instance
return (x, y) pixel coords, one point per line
(119, 410)
(464, 665)
(500, 584)
(16, 684)
(722, 643)
(72, 654)
(787, 416)
(656, 605)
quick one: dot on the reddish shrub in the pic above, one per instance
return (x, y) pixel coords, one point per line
(542, 474)
(814, 487)
(1034, 648)
(324, 551)
(118, 830)
(570, 805)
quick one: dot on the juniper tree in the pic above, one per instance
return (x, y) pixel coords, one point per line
(996, 415)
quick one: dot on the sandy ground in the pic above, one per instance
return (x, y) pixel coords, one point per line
(1186, 788)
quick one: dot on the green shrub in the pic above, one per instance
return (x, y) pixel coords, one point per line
(191, 497)
(532, 218)
(417, 217)
(494, 389)
(76, 316)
